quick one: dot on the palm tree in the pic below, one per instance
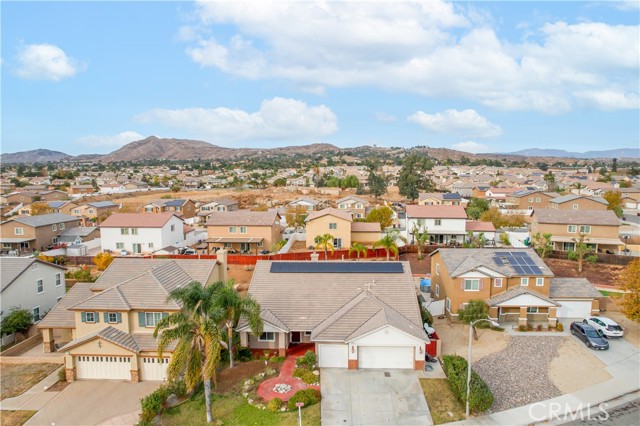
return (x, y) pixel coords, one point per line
(234, 306)
(358, 248)
(388, 242)
(325, 242)
(198, 336)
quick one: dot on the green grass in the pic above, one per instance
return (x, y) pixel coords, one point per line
(233, 409)
(443, 405)
(611, 293)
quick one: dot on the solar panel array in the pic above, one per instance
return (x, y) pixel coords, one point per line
(520, 261)
(337, 267)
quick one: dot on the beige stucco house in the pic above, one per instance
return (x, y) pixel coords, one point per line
(341, 226)
(244, 231)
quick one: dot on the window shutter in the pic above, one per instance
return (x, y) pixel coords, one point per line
(118, 317)
(164, 315)
(83, 316)
(462, 284)
(105, 316)
(480, 285)
(96, 316)
(141, 319)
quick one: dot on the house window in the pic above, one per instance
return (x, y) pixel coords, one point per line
(497, 282)
(58, 280)
(530, 208)
(134, 231)
(472, 284)
(54, 227)
(524, 282)
(437, 290)
(342, 206)
(571, 229)
(36, 313)
(437, 268)
(358, 206)
(267, 336)
(124, 231)
(40, 286)
(61, 226)
(575, 207)
(531, 199)
(76, 211)
(532, 310)
(112, 318)
(151, 319)
(260, 244)
(19, 231)
(89, 316)
(585, 229)
(438, 222)
(448, 304)
(337, 243)
(243, 229)
(568, 246)
(148, 209)
(233, 229)
(539, 282)
(333, 225)
(120, 246)
(173, 228)
(150, 245)
(537, 199)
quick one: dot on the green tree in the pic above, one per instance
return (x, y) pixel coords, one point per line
(198, 336)
(614, 198)
(473, 241)
(388, 242)
(235, 306)
(280, 182)
(413, 178)
(421, 236)
(614, 165)
(542, 244)
(18, 320)
(358, 248)
(296, 216)
(40, 208)
(377, 184)
(474, 310)
(581, 250)
(325, 242)
(504, 239)
(476, 207)
(629, 280)
(383, 215)
(175, 188)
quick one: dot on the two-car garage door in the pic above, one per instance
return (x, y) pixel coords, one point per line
(574, 309)
(103, 367)
(385, 357)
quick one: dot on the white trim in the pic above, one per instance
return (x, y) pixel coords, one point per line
(522, 281)
(381, 328)
(541, 280)
(260, 339)
(40, 280)
(496, 281)
(471, 289)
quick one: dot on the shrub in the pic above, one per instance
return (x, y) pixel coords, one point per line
(592, 259)
(425, 315)
(522, 328)
(153, 404)
(560, 327)
(177, 387)
(299, 372)
(539, 327)
(103, 260)
(480, 398)
(278, 359)
(308, 377)
(274, 405)
(244, 354)
(307, 396)
(62, 376)
(529, 327)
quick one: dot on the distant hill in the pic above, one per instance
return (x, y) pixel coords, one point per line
(34, 156)
(610, 153)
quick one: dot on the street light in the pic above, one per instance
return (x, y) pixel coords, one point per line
(471, 325)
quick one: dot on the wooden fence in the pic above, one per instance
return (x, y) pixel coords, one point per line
(611, 259)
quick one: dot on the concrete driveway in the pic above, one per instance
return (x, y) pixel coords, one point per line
(619, 350)
(372, 397)
(94, 402)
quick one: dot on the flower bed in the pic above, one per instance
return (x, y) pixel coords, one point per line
(282, 388)
(250, 386)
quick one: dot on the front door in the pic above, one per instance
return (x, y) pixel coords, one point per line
(295, 337)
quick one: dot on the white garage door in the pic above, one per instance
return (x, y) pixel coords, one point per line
(573, 309)
(333, 356)
(154, 368)
(103, 367)
(385, 357)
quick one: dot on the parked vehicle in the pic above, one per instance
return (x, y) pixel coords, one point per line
(190, 251)
(591, 337)
(123, 252)
(264, 252)
(607, 326)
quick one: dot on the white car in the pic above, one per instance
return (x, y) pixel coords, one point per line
(607, 326)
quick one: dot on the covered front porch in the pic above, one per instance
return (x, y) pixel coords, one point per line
(242, 245)
(523, 307)
(599, 245)
(17, 246)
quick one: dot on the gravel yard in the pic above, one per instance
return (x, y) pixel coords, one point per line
(518, 375)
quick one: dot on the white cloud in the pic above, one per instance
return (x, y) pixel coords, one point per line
(467, 122)
(384, 117)
(632, 5)
(45, 62)
(277, 119)
(110, 141)
(610, 99)
(470, 146)
(434, 48)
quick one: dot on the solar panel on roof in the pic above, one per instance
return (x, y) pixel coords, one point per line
(498, 261)
(518, 269)
(502, 253)
(536, 270)
(337, 267)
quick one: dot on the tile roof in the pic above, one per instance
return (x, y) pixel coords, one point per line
(436, 212)
(351, 199)
(329, 211)
(440, 195)
(479, 226)
(514, 292)
(137, 220)
(461, 260)
(45, 219)
(12, 267)
(60, 316)
(81, 231)
(243, 218)
(110, 334)
(147, 343)
(576, 217)
(573, 287)
(101, 204)
(365, 227)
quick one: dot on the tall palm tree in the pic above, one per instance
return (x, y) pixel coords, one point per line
(198, 336)
(358, 248)
(234, 306)
(325, 242)
(388, 242)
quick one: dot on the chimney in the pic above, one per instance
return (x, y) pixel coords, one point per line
(222, 260)
(314, 256)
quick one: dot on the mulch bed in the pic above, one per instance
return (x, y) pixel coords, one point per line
(230, 379)
(58, 387)
(421, 267)
(599, 274)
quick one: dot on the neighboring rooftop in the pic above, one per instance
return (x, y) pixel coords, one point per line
(243, 218)
(137, 220)
(436, 212)
(44, 219)
(459, 261)
(576, 217)
(572, 287)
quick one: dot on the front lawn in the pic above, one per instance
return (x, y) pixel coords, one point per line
(614, 294)
(15, 418)
(19, 378)
(443, 405)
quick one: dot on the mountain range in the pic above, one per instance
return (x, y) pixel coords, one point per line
(185, 149)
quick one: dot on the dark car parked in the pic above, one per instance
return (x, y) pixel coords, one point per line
(591, 337)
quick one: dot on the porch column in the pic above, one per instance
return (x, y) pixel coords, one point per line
(553, 320)
(493, 313)
(595, 307)
(48, 342)
(419, 357)
(522, 320)
(135, 369)
(282, 343)
(69, 368)
(244, 339)
(353, 357)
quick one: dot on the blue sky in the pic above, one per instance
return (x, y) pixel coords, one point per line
(88, 77)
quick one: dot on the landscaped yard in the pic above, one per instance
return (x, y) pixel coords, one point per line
(15, 418)
(19, 378)
(443, 405)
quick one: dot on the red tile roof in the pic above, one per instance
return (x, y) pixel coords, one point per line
(480, 226)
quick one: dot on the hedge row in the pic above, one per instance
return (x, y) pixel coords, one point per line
(480, 397)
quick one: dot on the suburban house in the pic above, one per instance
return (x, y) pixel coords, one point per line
(183, 208)
(244, 231)
(516, 285)
(578, 202)
(600, 227)
(309, 204)
(445, 224)
(477, 228)
(53, 195)
(221, 205)
(340, 225)
(91, 212)
(356, 206)
(140, 233)
(526, 199)
(81, 189)
(30, 233)
(439, 199)
(105, 329)
(30, 283)
(78, 235)
(359, 315)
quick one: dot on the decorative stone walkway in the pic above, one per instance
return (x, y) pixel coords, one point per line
(265, 389)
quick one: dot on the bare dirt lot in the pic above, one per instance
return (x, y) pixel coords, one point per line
(455, 340)
(575, 368)
(599, 274)
(418, 267)
(631, 328)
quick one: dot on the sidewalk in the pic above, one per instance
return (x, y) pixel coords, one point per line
(35, 398)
